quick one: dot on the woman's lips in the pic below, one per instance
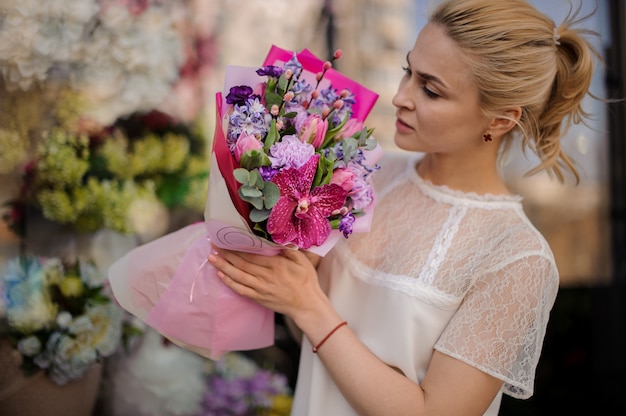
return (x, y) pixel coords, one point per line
(402, 127)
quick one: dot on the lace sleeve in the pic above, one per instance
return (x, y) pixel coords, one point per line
(501, 323)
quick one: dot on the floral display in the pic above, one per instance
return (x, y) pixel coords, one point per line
(113, 58)
(58, 316)
(237, 386)
(100, 179)
(301, 152)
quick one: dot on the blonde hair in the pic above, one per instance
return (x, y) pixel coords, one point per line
(520, 58)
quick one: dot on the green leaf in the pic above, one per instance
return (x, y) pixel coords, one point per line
(350, 147)
(256, 202)
(271, 137)
(256, 179)
(272, 98)
(252, 159)
(259, 230)
(271, 193)
(283, 84)
(259, 215)
(242, 175)
(250, 191)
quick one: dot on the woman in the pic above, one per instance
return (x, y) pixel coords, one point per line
(447, 298)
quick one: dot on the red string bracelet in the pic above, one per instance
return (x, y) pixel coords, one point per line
(317, 347)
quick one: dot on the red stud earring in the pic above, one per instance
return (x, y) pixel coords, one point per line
(487, 137)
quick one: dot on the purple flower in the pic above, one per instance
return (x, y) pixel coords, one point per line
(361, 194)
(272, 71)
(267, 172)
(290, 152)
(346, 223)
(301, 215)
(239, 94)
(250, 117)
(294, 65)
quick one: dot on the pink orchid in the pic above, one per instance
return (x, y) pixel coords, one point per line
(313, 130)
(246, 142)
(301, 215)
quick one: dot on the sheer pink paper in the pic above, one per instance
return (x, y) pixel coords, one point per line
(168, 282)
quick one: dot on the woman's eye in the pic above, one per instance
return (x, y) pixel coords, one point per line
(429, 93)
(407, 70)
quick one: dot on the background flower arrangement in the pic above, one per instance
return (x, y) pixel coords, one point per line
(113, 178)
(88, 81)
(58, 316)
(236, 385)
(101, 123)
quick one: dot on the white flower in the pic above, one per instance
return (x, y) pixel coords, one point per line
(35, 37)
(131, 62)
(107, 328)
(64, 319)
(29, 346)
(38, 312)
(81, 325)
(90, 275)
(158, 380)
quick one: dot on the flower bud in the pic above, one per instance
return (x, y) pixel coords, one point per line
(338, 54)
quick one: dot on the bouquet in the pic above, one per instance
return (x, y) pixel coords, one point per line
(291, 168)
(58, 316)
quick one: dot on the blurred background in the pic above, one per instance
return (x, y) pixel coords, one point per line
(119, 71)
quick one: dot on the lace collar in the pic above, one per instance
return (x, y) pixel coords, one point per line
(445, 194)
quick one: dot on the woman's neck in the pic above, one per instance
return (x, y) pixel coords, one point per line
(468, 175)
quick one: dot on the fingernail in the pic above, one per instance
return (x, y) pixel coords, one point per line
(212, 258)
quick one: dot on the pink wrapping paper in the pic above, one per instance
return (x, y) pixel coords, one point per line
(168, 283)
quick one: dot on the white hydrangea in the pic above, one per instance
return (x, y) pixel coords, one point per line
(131, 62)
(36, 36)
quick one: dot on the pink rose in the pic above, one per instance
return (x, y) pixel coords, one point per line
(246, 142)
(313, 130)
(344, 178)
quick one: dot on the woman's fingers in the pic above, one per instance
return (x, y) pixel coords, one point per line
(235, 278)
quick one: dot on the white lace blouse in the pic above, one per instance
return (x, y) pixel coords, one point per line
(465, 274)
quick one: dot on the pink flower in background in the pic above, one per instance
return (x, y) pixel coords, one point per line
(246, 142)
(301, 215)
(351, 127)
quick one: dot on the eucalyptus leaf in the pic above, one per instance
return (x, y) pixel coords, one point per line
(250, 191)
(259, 215)
(256, 179)
(256, 202)
(271, 193)
(242, 175)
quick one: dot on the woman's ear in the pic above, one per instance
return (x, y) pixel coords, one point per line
(500, 125)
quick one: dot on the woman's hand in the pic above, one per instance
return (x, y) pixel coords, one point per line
(286, 283)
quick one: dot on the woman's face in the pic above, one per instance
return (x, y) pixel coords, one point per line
(437, 100)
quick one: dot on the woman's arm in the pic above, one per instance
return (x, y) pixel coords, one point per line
(287, 283)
